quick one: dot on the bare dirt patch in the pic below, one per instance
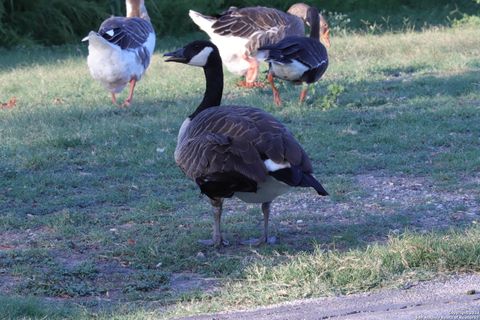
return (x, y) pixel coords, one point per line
(377, 206)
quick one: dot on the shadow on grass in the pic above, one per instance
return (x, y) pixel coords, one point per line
(132, 207)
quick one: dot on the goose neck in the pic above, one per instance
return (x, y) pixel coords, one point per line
(136, 8)
(214, 85)
(314, 25)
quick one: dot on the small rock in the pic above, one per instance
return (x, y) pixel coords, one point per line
(299, 221)
(200, 255)
(471, 291)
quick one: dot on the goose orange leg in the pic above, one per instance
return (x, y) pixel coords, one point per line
(303, 94)
(114, 99)
(252, 74)
(127, 101)
(276, 94)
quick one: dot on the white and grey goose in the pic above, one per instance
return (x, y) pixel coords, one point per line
(240, 151)
(297, 59)
(120, 52)
(238, 33)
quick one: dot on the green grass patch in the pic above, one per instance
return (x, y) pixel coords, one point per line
(409, 257)
(94, 212)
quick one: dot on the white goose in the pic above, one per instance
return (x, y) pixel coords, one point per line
(238, 33)
(120, 52)
(236, 150)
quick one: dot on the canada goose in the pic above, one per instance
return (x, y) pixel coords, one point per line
(236, 150)
(297, 59)
(238, 33)
(120, 52)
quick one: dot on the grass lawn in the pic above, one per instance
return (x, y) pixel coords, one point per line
(97, 221)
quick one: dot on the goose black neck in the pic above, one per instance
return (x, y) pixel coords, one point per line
(314, 23)
(214, 84)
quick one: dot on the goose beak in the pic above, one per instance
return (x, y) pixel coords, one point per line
(325, 37)
(90, 34)
(176, 56)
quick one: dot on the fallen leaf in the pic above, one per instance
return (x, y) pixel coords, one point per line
(10, 104)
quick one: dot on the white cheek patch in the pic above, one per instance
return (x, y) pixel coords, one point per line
(110, 32)
(274, 166)
(200, 59)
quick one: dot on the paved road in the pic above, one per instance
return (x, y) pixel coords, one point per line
(457, 298)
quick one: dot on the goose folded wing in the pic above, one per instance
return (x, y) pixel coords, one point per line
(215, 153)
(313, 54)
(305, 50)
(127, 33)
(240, 139)
(257, 22)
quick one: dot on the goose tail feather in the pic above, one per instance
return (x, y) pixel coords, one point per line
(203, 21)
(310, 181)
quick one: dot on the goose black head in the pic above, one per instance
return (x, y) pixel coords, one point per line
(197, 53)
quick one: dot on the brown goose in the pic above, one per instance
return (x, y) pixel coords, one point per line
(236, 150)
(238, 33)
(297, 59)
(120, 52)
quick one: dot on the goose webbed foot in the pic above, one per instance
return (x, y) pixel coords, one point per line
(125, 104)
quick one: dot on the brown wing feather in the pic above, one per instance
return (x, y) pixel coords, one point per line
(235, 138)
(262, 25)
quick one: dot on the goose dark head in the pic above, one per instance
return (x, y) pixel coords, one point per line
(198, 53)
(203, 54)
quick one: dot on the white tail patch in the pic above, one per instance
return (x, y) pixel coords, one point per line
(290, 71)
(200, 59)
(274, 166)
(204, 23)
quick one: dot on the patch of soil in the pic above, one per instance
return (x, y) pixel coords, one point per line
(188, 282)
(377, 205)
(385, 204)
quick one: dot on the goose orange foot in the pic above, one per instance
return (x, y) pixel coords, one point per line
(249, 85)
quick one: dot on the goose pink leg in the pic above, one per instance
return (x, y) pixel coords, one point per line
(252, 74)
(276, 94)
(127, 101)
